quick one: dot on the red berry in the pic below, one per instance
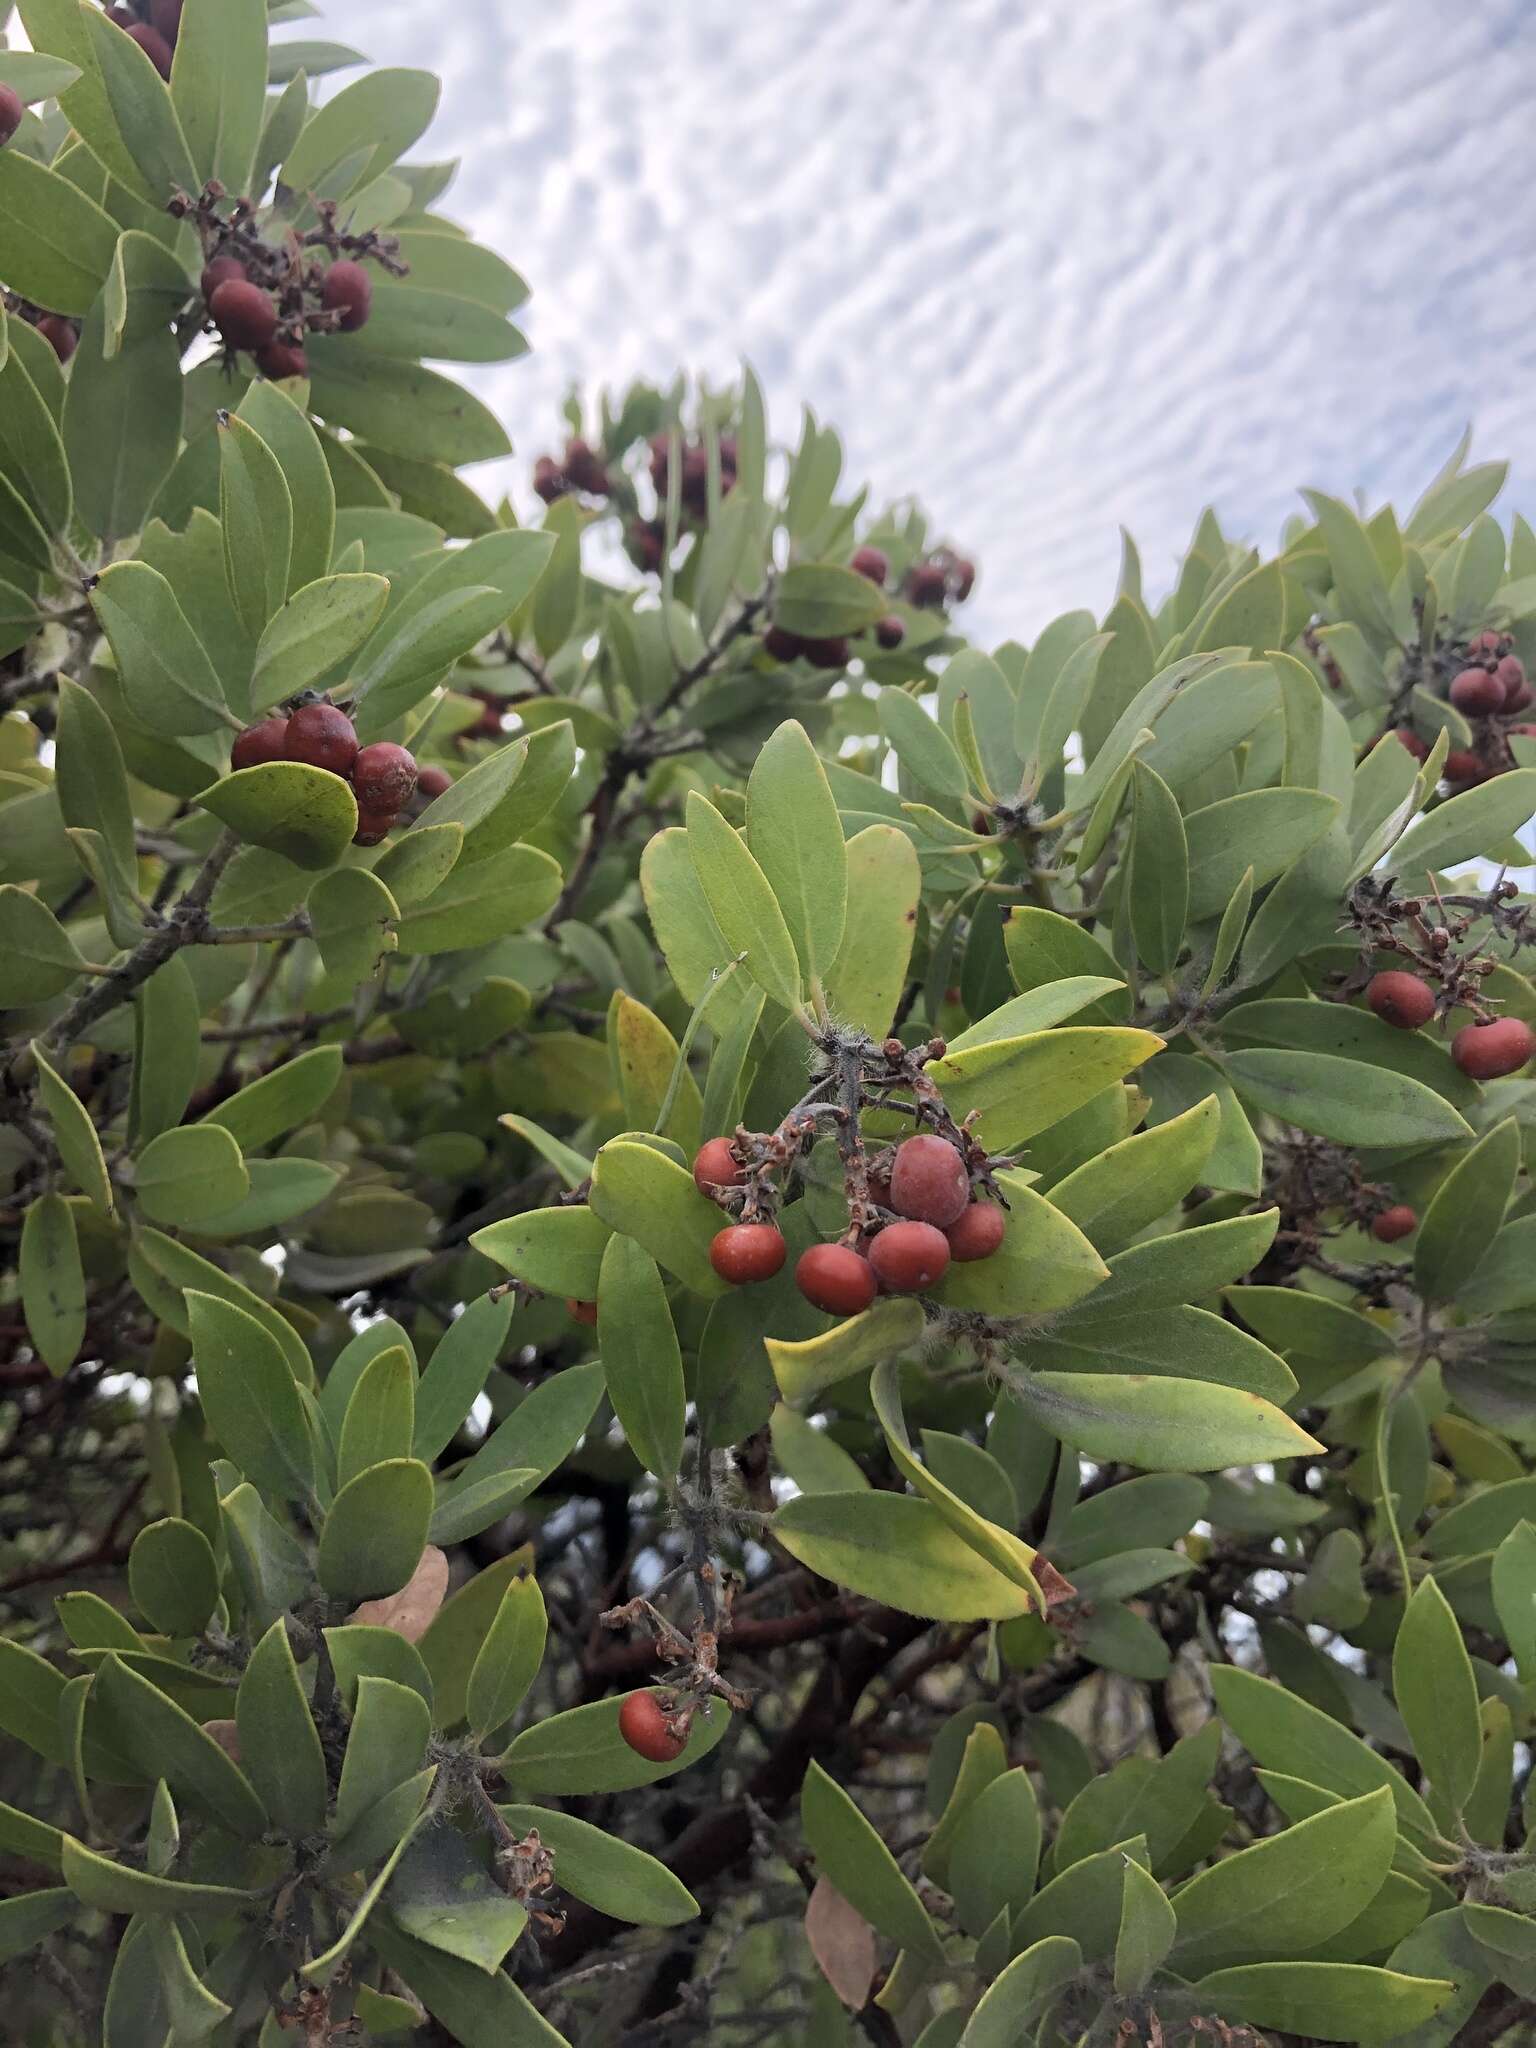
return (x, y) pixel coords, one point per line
(222, 270)
(745, 1253)
(907, 1257)
(891, 630)
(927, 584)
(12, 107)
(323, 737)
(1463, 767)
(347, 289)
(1518, 698)
(647, 1730)
(583, 1311)
(826, 653)
(716, 1167)
(584, 466)
(433, 782)
(1394, 1223)
(166, 16)
(870, 562)
(1485, 643)
(1400, 999)
(835, 1278)
(965, 579)
(929, 1181)
(783, 645)
(243, 313)
(1510, 672)
(153, 44)
(264, 741)
(978, 1232)
(1489, 1051)
(1476, 691)
(384, 776)
(373, 826)
(61, 335)
(1411, 741)
(281, 359)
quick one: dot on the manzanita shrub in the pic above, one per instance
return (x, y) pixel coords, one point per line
(724, 1322)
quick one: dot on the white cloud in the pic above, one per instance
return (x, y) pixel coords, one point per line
(1052, 265)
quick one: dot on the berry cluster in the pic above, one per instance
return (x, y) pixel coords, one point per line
(939, 579)
(1488, 685)
(154, 26)
(384, 776)
(581, 469)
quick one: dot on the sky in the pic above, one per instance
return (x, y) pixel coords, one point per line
(1052, 266)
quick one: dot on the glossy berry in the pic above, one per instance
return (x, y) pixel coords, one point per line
(1400, 999)
(783, 645)
(870, 562)
(977, 1233)
(1477, 692)
(927, 583)
(1464, 767)
(549, 480)
(153, 44)
(281, 359)
(384, 776)
(715, 1167)
(265, 741)
(891, 630)
(323, 737)
(929, 1181)
(11, 110)
(1520, 697)
(908, 1257)
(1489, 1051)
(347, 289)
(744, 1253)
(826, 653)
(965, 579)
(1509, 671)
(1394, 1223)
(61, 335)
(243, 313)
(222, 270)
(1407, 737)
(647, 1731)
(433, 782)
(373, 825)
(582, 1311)
(833, 1277)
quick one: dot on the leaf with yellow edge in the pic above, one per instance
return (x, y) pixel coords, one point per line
(1021, 1086)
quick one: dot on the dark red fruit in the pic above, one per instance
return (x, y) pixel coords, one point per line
(61, 335)
(870, 562)
(1518, 698)
(1477, 692)
(977, 1233)
(1411, 741)
(965, 579)
(647, 1730)
(715, 1167)
(929, 1181)
(909, 1257)
(927, 584)
(745, 1253)
(373, 825)
(166, 16)
(347, 289)
(647, 544)
(833, 1277)
(1400, 999)
(223, 270)
(549, 480)
(281, 359)
(153, 44)
(826, 653)
(1394, 1223)
(1485, 643)
(584, 466)
(582, 1311)
(433, 782)
(384, 776)
(12, 107)
(243, 313)
(890, 631)
(1464, 767)
(783, 645)
(323, 737)
(1510, 672)
(1489, 1051)
(264, 741)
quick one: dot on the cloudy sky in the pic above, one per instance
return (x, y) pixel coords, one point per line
(1052, 265)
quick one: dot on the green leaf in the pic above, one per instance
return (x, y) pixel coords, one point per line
(1472, 823)
(605, 1873)
(1437, 1694)
(165, 1742)
(279, 1743)
(453, 1640)
(1181, 1343)
(166, 675)
(922, 746)
(324, 1967)
(1514, 1595)
(376, 1530)
(456, 1373)
(256, 518)
(316, 628)
(56, 245)
(900, 1550)
(167, 1045)
(400, 406)
(1086, 1897)
(26, 1918)
(1161, 1425)
(352, 919)
(1263, 829)
(641, 1192)
(1113, 1198)
(559, 1251)
(360, 1650)
(174, 1577)
(808, 1367)
(1184, 1266)
(509, 1659)
(305, 814)
(743, 903)
(385, 112)
(1146, 1931)
(480, 2011)
(41, 958)
(1459, 1225)
(217, 86)
(31, 451)
(52, 1282)
(1293, 1320)
(291, 1094)
(1329, 2001)
(441, 1894)
(1014, 2004)
(287, 431)
(73, 1132)
(190, 1173)
(642, 1362)
(825, 603)
(1343, 1099)
(250, 1398)
(796, 837)
(381, 1414)
(482, 900)
(994, 1852)
(1021, 1086)
(854, 1858)
(115, 1888)
(815, 1462)
(582, 1751)
(1159, 872)
(386, 1747)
